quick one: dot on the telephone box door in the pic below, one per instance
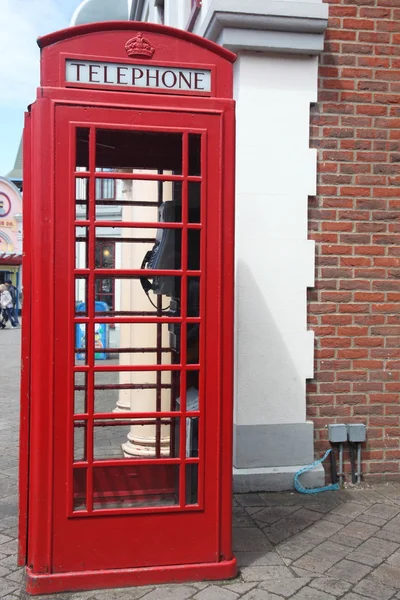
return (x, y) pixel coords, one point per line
(137, 406)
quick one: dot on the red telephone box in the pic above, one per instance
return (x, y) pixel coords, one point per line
(126, 428)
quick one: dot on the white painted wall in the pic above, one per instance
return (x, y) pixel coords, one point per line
(276, 171)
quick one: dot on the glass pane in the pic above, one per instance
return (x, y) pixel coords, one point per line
(144, 150)
(79, 440)
(192, 473)
(193, 249)
(105, 248)
(138, 201)
(194, 154)
(138, 391)
(82, 149)
(194, 199)
(135, 438)
(79, 500)
(80, 344)
(81, 198)
(81, 296)
(135, 486)
(193, 297)
(133, 343)
(81, 248)
(126, 248)
(126, 296)
(80, 393)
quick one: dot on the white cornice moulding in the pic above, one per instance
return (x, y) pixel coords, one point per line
(267, 25)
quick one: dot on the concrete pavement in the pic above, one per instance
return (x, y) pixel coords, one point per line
(336, 545)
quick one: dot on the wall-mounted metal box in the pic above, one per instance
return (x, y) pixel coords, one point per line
(337, 433)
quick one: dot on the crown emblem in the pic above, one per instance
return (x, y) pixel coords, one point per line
(139, 46)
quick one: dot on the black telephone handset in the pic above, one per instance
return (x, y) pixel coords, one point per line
(166, 254)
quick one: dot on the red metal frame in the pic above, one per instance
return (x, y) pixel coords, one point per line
(50, 529)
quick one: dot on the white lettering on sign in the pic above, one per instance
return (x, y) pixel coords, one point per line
(142, 76)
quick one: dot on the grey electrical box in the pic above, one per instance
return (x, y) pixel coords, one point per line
(356, 432)
(337, 433)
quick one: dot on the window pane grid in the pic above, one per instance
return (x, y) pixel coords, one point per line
(101, 259)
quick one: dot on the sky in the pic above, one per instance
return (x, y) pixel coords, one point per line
(22, 22)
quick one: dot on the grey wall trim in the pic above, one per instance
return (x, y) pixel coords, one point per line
(275, 480)
(267, 25)
(137, 10)
(277, 445)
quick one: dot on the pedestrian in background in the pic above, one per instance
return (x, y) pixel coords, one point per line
(6, 305)
(14, 295)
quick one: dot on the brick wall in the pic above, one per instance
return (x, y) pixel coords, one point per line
(354, 308)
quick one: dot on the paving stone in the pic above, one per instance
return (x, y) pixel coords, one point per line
(308, 593)
(7, 587)
(271, 514)
(324, 528)
(284, 587)
(173, 592)
(298, 545)
(248, 559)
(383, 511)
(346, 540)
(365, 559)
(328, 549)
(394, 559)
(262, 573)
(285, 528)
(315, 564)
(373, 589)
(350, 509)
(240, 588)
(352, 596)
(392, 535)
(356, 529)
(388, 575)
(330, 586)
(346, 570)
(250, 500)
(214, 592)
(378, 547)
(242, 521)
(260, 595)
(372, 520)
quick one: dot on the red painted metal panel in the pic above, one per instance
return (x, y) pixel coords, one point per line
(25, 352)
(73, 502)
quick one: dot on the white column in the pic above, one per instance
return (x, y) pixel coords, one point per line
(141, 439)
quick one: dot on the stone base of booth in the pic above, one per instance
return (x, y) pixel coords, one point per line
(91, 580)
(275, 479)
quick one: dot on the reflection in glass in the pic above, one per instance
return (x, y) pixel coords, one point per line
(192, 473)
(129, 297)
(135, 486)
(134, 343)
(194, 202)
(80, 343)
(81, 247)
(81, 296)
(82, 149)
(79, 486)
(81, 196)
(158, 388)
(80, 393)
(144, 150)
(194, 154)
(110, 437)
(80, 440)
